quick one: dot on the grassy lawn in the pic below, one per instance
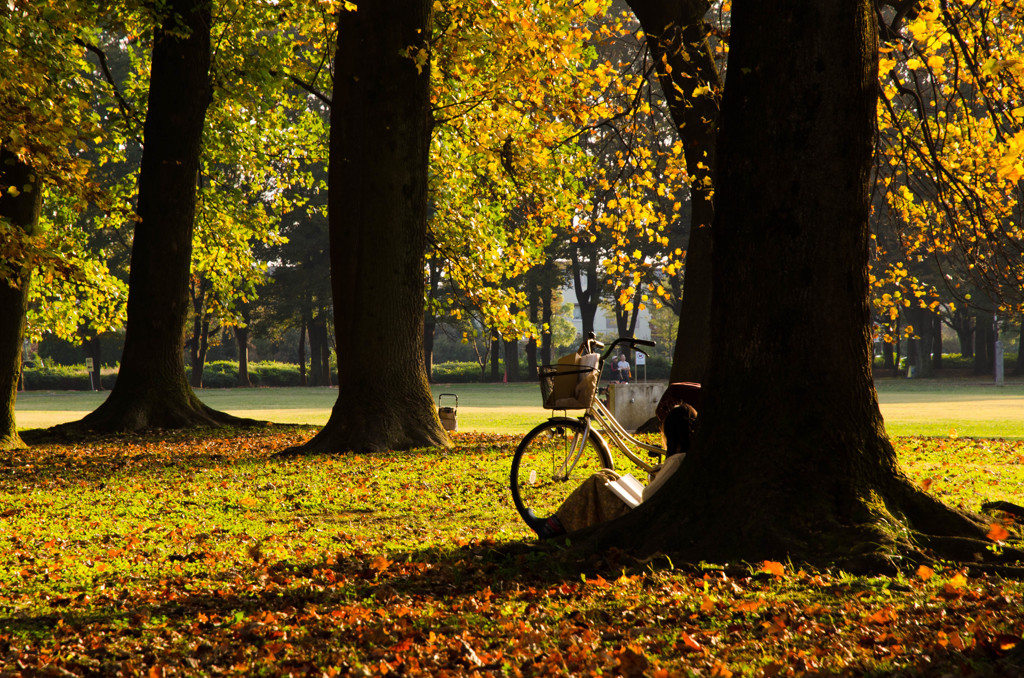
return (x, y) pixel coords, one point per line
(203, 554)
(969, 408)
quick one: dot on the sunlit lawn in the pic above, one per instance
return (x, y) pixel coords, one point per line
(200, 553)
(970, 408)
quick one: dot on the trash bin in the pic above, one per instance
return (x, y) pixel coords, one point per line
(448, 414)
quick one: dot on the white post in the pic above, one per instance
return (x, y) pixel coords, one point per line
(998, 352)
(88, 369)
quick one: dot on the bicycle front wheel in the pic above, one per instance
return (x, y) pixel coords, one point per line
(549, 464)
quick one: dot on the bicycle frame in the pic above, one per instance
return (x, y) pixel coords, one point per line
(575, 452)
(619, 437)
(606, 422)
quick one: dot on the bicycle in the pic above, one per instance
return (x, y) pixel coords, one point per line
(555, 457)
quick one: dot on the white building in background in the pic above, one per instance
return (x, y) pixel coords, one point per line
(604, 320)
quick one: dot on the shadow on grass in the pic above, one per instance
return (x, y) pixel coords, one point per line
(491, 608)
(94, 458)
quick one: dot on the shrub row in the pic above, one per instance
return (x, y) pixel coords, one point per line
(218, 374)
(63, 378)
(469, 372)
(224, 374)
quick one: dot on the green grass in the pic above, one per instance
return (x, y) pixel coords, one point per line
(964, 407)
(203, 554)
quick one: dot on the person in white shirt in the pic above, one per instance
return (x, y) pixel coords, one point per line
(594, 502)
(623, 367)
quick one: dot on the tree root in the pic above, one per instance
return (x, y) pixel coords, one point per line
(1014, 510)
(891, 528)
(137, 420)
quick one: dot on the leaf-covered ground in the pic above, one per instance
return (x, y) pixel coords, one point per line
(201, 554)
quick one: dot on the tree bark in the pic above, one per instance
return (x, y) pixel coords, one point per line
(242, 339)
(302, 353)
(984, 337)
(325, 354)
(199, 349)
(495, 358)
(511, 359)
(588, 299)
(198, 342)
(535, 293)
(377, 211)
(317, 333)
(919, 348)
(429, 319)
(546, 350)
(677, 35)
(963, 324)
(151, 389)
(790, 462)
(21, 209)
(936, 321)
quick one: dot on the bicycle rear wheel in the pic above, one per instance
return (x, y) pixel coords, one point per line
(548, 465)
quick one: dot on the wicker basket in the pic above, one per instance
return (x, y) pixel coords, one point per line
(567, 386)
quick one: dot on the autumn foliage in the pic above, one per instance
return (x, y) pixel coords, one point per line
(207, 555)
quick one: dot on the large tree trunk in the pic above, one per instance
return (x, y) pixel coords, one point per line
(677, 35)
(377, 207)
(791, 462)
(21, 208)
(151, 389)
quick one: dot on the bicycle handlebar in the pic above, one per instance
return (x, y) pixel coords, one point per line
(591, 345)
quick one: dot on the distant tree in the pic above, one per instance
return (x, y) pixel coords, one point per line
(19, 208)
(685, 64)
(46, 117)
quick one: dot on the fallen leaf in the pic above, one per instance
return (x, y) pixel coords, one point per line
(997, 532)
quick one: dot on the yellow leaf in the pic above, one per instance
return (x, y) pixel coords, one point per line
(773, 567)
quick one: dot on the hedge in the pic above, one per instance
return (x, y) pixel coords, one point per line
(469, 372)
(64, 378)
(217, 374)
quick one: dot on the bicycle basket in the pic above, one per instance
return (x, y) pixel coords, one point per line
(571, 384)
